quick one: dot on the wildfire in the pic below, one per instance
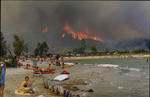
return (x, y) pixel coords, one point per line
(63, 35)
(79, 35)
(45, 29)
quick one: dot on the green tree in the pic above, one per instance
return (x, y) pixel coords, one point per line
(36, 52)
(83, 43)
(82, 47)
(93, 49)
(3, 48)
(138, 51)
(42, 48)
(20, 47)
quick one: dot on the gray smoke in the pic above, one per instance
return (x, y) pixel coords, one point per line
(113, 21)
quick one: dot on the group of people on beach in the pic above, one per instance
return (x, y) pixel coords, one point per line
(55, 60)
(2, 77)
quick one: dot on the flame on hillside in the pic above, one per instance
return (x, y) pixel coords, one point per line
(80, 35)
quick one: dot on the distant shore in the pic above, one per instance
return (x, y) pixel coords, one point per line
(106, 56)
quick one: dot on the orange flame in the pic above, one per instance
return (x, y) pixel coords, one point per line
(70, 30)
(80, 35)
(45, 29)
(63, 35)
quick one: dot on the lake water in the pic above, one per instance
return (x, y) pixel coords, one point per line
(122, 62)
(133, 82)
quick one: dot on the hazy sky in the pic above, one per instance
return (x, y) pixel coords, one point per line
(111, 20)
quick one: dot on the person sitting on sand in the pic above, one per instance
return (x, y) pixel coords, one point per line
(29, 67)
(37, 69)
(48, 68)
(57, 63)
(26, 86)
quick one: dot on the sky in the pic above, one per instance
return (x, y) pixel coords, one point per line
(112, 21)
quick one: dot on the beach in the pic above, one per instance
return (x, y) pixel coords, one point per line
(84, 76)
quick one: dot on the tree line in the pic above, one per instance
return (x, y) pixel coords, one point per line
(20, 48)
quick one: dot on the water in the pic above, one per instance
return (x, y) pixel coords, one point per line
(122, 62)
(130, 81)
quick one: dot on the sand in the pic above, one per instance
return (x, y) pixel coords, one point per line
(15, 76)
(105, 82)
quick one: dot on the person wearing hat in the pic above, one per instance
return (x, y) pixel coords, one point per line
(2, 78)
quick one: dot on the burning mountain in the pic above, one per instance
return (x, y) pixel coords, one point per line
(80, 35)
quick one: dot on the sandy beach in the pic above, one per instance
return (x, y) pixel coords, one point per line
(105, 82)
(15, 76)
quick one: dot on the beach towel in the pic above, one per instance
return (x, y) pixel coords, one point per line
(22, 91)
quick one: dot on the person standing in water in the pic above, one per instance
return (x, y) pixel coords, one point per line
(2, 78)
(148, 60)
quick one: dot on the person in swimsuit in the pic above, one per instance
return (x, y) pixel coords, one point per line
(62, 61)
(37, 69)
(54, 59)
(27, 85)
(48, 68)
(57, 60)
(2, 78)
(51, 60)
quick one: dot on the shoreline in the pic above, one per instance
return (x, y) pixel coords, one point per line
(106, 56)
(83, 77)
